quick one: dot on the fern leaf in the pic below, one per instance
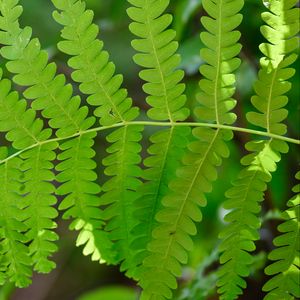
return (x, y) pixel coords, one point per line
(143, 219)
(286, 281)
(171, 238)
(93, 70)
(248, 190)
(33, 198)
(243, 201)
(81, 202)
(168, 147)
(54, 98)
(30, 65)
(95, 73)
(15, 262)
(125, 157)
(180, 207)
(222, 47)
(157, 56)
(37, 168)
(156, 47)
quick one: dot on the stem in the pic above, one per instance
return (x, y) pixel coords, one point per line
(158, 124)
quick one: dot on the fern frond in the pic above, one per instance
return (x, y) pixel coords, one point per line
(248, 190)
(167, 149)
(222, 47)
(95, 73)
(15, 262)
(93, 70)
(37, 168)
(30, 65)
(157, 56)
(54, 98)
(142, 218)
(180, 207)
(122, 164)
(281, 32)
(156, 47)
(286, 281)
(171, 238)
(34, 188)
(82, 201)
(243, 201)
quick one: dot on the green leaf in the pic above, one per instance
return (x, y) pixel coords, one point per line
(248, 190)
(285, 269)
(95, 73)
(34, 190)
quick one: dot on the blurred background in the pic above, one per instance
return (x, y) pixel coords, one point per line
(76, 277)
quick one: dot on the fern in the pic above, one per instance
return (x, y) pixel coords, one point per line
(29, 63)
(285, 284)
(26, 209)
(15, 261)
(247, 191)
(171, 237)
(157, 55)
(161, 167)
(96, 76)
(144, 215)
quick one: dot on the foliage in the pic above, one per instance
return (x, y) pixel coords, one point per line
(144, 213)
(285, 283)
(247, 190)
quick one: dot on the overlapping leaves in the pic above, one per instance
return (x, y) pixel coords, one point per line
(157, 56)
(97, 78)
(248, 190)
(286, 265)
(180, 207)
(141, 218)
